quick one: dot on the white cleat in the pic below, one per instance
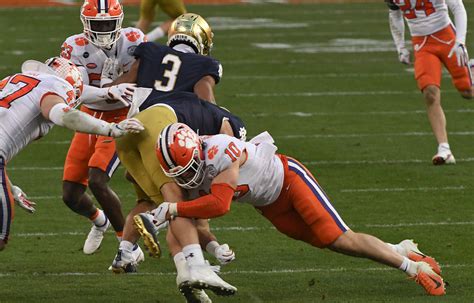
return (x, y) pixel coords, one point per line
(94, 238)
(126, 261)
(203, 277)
(444, 157)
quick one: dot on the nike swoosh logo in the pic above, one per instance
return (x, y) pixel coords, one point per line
(438, 284)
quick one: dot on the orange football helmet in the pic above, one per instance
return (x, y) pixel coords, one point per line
(179, 150)
(102, 20)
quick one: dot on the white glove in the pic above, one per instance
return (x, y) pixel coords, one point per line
(461, 53)
(124, 127)
(21, 199)
(122, 93)
(159, 214)
(111, 70)
(404, 56)
(224, 254)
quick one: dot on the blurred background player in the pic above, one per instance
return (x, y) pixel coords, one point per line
(184, 65)
(101, 52)
(30, 104)
(215, 170)
(436, 42)
(148, 8)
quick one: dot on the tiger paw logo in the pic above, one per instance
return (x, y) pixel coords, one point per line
(132, 36)
(212, 152)
(81, 41)
(186, 139)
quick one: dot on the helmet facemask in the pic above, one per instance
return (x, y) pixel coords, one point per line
(190, 176)
(102, 31)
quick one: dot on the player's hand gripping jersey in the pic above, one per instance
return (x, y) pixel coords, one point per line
(165, 69)
(21, 120)
(90, 58)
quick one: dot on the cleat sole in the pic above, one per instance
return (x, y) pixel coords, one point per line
(152, 246)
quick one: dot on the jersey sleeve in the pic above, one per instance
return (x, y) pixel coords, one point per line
(215, 70)
(142, 49)
(391, 5)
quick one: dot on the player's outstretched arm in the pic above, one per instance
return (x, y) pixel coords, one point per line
(54, 109)
(204, 89)
(130, 76)
(116, 93)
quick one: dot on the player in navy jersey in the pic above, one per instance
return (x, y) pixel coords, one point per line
(183, 65)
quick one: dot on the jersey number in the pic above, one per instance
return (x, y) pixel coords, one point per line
(29, 84)
(169, 74)
(421, 5)
(233, 151)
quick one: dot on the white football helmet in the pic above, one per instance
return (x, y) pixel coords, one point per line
(102, 21)
(68, 71)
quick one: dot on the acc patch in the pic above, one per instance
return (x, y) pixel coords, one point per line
(85, 55)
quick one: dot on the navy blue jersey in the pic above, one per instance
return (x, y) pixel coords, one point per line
(203, 117)
(166, 70)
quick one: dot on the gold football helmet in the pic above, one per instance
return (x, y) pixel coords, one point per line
(192, 30)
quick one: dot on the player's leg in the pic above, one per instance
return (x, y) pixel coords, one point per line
(75, 185)
(6, 206)
(172, 8)
(147, 14)
(428, 76)
(102, 165)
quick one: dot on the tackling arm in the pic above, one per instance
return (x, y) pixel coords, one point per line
(54, 109)
(130, 76)
(204, 89)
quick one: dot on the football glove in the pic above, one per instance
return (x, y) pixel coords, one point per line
(404, 56)
(111, 70)
(461, 53)
(124, 127)
(224, 254)
(21, 199)
(122, 93)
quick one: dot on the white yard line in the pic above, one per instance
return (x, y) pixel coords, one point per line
(401, 189)
(380, 161)
(232, 272)
(368, 113)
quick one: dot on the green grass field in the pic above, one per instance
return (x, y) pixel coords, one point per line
(325, 81)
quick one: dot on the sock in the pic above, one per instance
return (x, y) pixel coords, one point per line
(397, 248)
(444, 147)
(211, 247)
(193, 254)
(180, 263)
(119, 235)
(126, 245)
(99, 218)
(155, 34)
(409, 267)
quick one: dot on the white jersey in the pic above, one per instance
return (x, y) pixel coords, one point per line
(260, 177)
(85, 54)
(21, 120)
(427, 19)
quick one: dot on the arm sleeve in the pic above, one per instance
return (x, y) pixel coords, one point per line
(62, 115)
(91, 94)
(215, 204)
(397, 28)
(460, 19)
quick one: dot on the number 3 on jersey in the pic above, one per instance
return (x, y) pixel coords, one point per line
(8, 96)
(170, 74)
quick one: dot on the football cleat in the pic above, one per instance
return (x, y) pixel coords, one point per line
(126, 261)
(143, 223)
(94, 238)
(203, 277)
(445, 157)
(431, 281)
(413, 253)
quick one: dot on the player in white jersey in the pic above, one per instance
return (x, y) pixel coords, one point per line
(435, 42)
(32, 102)
(218, 169)
(102, 52)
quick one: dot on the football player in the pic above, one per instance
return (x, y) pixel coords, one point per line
(32, 102)
(173, 8)
(435, 42)
(183, 65)
(279, 187)
(101, 52)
